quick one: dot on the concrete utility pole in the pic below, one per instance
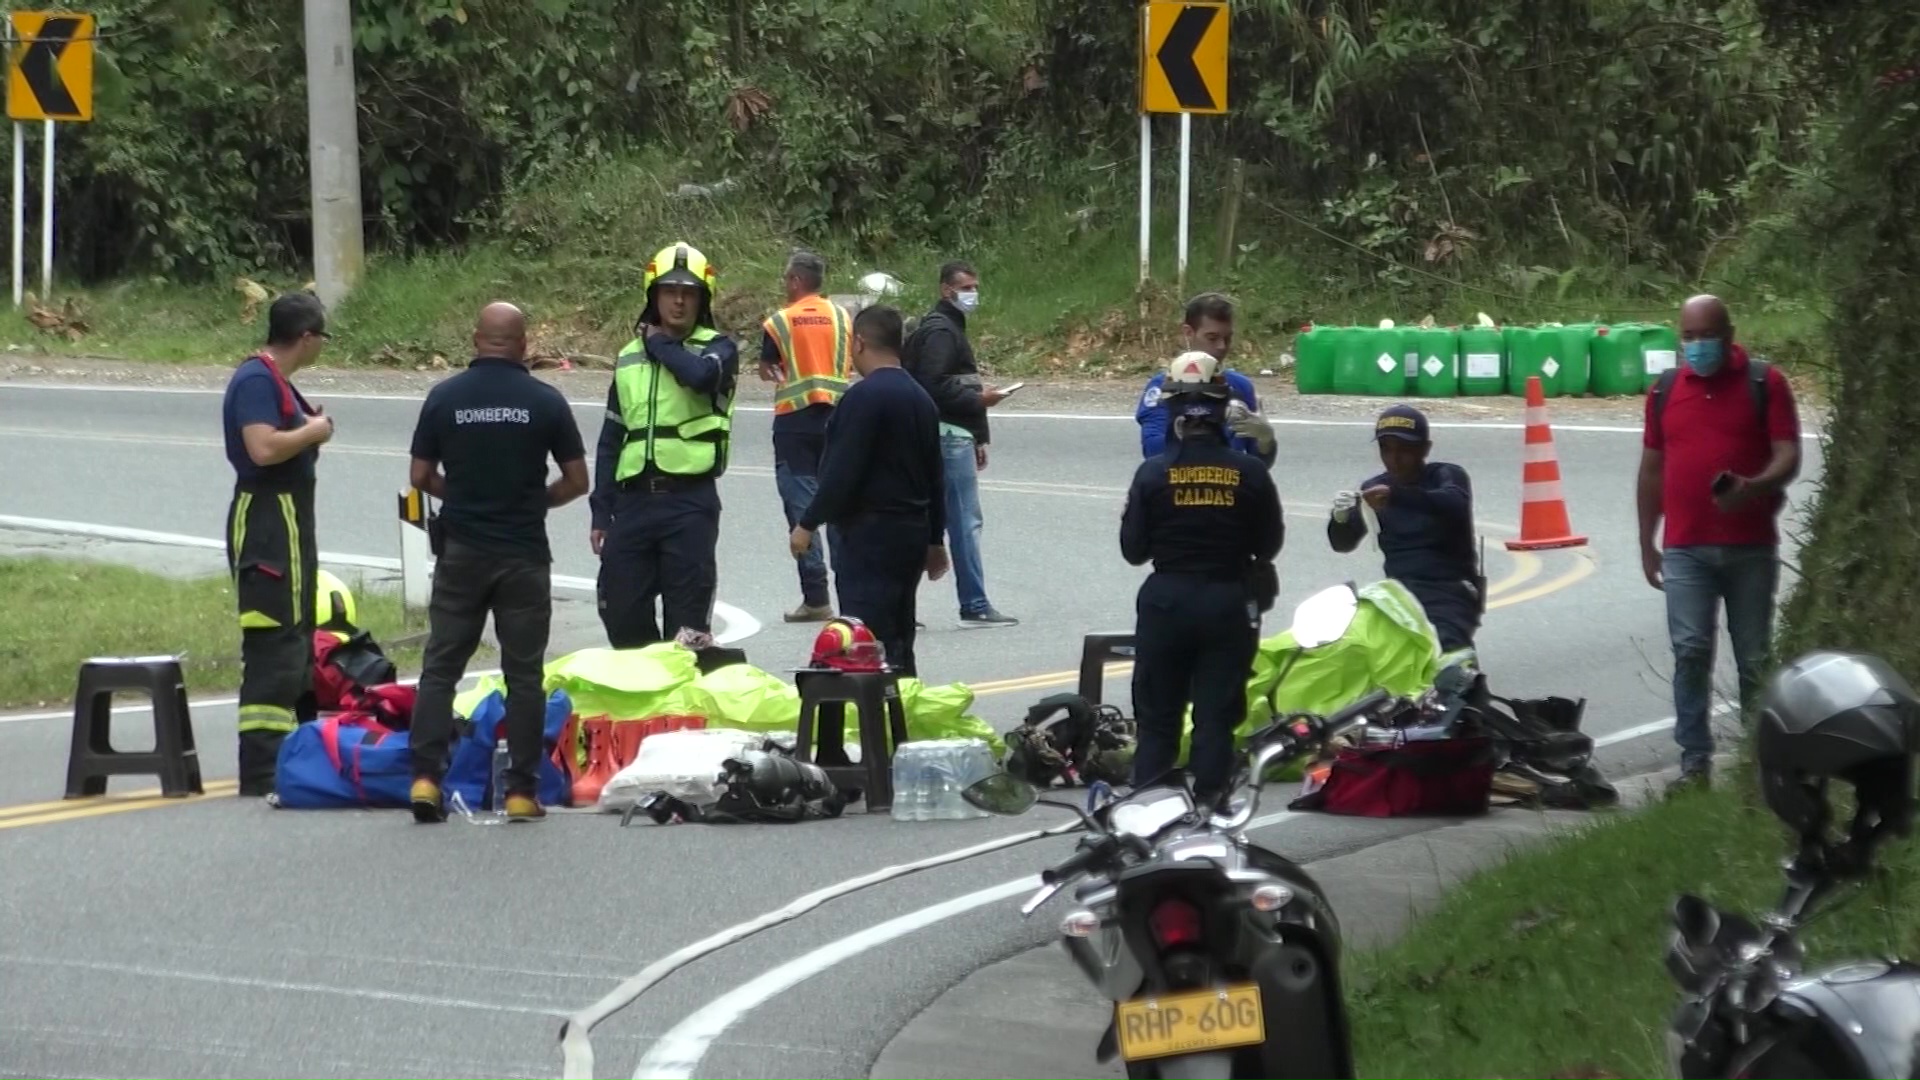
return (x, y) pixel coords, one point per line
(333, 150)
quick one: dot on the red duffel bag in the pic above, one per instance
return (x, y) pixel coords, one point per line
(1440, 777)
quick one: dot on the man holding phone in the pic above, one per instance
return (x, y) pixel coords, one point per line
(940, 357)
(1721, 444)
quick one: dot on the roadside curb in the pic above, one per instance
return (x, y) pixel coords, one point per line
(1034, 1015)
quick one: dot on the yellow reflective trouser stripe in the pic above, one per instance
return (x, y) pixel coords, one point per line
(266, 718)
(293, 552)
(257, 620)
(238, 533)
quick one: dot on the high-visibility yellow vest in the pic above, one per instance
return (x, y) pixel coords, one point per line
(814, 337)
(680, 432)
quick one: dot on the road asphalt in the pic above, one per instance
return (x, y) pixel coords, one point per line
(222, 938)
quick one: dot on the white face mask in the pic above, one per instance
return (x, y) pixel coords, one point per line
(967, 300)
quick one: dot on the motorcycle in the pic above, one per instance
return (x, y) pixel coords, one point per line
(1221, 956)
(1748, 1010)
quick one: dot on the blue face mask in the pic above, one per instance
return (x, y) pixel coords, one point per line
(1705, 357)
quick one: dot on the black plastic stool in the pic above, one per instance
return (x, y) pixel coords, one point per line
(875, 696)
(1096, 651)
(93, 758)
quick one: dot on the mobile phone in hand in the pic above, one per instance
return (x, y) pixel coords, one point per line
(1723, 483)
(1011, 389)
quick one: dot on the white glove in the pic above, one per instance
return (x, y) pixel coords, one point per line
(1343, 505)
(1248, 424)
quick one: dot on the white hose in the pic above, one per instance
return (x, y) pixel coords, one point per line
(576, 1047)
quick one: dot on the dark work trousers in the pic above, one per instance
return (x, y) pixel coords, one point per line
(1451, 607)
(796, 475)
(273, 557)
(1194, 642)
(467, 586)
(661, 548)
(877, 565)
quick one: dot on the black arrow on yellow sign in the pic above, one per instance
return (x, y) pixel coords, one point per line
(1176, 57)
(40, 65)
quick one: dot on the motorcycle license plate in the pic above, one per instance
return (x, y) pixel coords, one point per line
(1190, 1023)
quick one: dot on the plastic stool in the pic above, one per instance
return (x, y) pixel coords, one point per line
(1096, 651)
(93, 758)
(874, 695)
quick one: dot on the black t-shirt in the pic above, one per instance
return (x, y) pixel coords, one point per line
(492, 428)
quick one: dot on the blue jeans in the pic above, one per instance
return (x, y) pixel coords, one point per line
(1698, 580)
(963, 523)
(796, 492)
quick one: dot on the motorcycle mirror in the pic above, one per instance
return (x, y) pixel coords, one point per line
(1002, 794)
(1696, 920)
(1324, 617)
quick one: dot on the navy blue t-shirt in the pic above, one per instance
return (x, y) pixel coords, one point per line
(253, 397)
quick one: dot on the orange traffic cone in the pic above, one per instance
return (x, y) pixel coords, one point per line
(1543, 508)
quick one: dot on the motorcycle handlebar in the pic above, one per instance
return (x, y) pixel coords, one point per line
(1082, 860)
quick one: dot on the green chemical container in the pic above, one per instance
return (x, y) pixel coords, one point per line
(1483, 356)
(1575, 358)
(1530, 349)
(1384, 356)
(1350, 360)
(1659, 351)
(1316, 352)
(1438, 371)
(1619, 369)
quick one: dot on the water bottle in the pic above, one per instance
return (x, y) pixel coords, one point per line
(500, 760)
(907, 766)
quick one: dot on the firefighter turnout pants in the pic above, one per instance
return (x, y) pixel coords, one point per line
(272, 556)
(661, 550)
(1194, 643)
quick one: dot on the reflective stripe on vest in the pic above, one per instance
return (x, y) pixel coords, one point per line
(681, 432)
(815, 346)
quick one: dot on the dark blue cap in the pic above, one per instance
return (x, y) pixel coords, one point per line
(1403, 422)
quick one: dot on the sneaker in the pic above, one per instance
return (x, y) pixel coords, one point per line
(1691, 777)
(524, 808)
(809, 613)
(428, 808)
(986, 618)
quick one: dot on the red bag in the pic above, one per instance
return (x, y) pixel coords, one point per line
(391, 704)
(344, 668)
(1443, 777)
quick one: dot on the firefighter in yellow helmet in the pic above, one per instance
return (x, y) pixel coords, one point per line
(656, 509)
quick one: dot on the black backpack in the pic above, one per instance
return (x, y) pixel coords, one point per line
(1756, 385)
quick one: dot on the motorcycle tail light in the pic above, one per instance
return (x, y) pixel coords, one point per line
(1080, 924)
(1174, 923)
(1270, 897)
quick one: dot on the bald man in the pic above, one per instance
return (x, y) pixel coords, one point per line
(482, 445)
(1722, 443)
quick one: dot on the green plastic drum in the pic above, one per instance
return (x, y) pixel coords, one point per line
(1384, 357)
(1619, 370)
(1483, 362)
(1534, 348)
(1575, 358)
(1438, 371)
(1659, 350)
(1315, 354)
(1350, 371)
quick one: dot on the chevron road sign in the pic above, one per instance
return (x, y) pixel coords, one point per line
(50, 67)
(1183, 57)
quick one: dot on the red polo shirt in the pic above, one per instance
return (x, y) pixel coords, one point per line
(1710, 425)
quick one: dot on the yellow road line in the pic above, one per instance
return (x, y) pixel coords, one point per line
(19, 817)
(144, 793)
(1583, 567)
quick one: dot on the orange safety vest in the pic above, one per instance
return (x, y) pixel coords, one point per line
(814, 336)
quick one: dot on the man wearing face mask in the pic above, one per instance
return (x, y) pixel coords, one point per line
(1722, 442)
(1208, 328)
(655, 503)
(939, 356)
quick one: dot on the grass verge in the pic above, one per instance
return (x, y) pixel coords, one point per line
(1059, 281)
(1551, 964)
(57, 612)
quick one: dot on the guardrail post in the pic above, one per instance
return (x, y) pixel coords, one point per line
(416, 578)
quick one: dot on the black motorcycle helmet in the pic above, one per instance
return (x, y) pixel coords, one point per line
(1831, 715)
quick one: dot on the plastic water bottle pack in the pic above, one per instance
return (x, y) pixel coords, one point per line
(928, 777)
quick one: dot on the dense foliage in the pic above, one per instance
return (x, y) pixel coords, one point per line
(1422, 131)
(1861, 567)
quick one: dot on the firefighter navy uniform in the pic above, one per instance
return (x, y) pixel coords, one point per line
(664, 444)
(273, 558)
(1208, 517)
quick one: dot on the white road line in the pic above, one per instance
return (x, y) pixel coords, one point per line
(600, 406)
(679, 1053)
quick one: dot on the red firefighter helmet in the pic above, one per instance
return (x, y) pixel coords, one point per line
(845, 644)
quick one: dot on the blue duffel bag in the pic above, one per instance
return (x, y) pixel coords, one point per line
(343, 761)
(470, 768)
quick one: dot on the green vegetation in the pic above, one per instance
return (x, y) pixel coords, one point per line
(1402, 158)
(1551, 965)
(58, 612)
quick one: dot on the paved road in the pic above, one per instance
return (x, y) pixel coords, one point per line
(221, 938)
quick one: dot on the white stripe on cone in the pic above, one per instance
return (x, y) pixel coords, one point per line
(1541, 491)
(1536, 416)
(1537, 452)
